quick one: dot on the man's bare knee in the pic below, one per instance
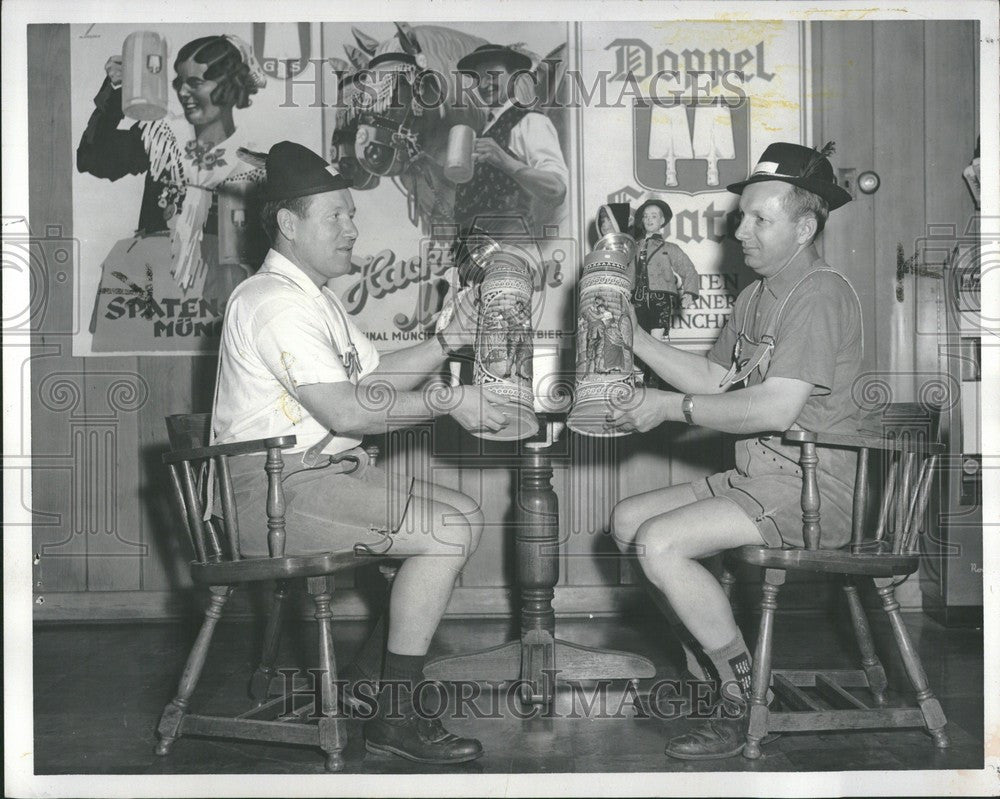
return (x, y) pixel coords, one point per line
(624, 524)
(454, 533)
(657, 539)
(476, 522)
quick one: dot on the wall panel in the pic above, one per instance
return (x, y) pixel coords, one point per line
(905, 117)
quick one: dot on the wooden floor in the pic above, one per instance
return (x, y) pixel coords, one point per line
(99, 689)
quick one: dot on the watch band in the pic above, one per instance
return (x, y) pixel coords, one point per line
(687, 405)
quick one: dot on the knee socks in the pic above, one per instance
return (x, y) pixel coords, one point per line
(734, 666)
(399, 676)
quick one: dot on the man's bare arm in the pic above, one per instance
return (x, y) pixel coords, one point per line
(688, 372)
(367, 408)
(407, 368)
(771, 406)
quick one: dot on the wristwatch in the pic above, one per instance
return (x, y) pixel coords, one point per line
(687, 405)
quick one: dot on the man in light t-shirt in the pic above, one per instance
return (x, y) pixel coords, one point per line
(293, 363)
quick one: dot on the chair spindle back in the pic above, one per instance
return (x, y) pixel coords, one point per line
(191, 478)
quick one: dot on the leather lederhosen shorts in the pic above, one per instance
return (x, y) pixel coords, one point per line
(326, 511)
(767, 485)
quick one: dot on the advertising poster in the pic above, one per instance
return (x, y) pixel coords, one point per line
(675, 113)
(165, 206)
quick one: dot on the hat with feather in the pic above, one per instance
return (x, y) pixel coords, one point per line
(805, 167)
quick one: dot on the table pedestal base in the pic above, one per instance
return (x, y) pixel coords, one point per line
(538, 658)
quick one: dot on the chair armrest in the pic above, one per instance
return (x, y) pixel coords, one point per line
(239, 448)
(864, 439)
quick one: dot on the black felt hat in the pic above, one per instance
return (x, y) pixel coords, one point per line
(510, 58)
(296, 171)
(664, 209)
(805, 167)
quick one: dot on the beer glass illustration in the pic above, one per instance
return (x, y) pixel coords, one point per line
(144, 76)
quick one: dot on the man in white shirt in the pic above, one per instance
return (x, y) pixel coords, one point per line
(292, 363)
(520, 175)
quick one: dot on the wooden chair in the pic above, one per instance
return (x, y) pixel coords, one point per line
(220, 566)
(883, 549)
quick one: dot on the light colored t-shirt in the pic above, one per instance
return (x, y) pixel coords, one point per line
(281, 332)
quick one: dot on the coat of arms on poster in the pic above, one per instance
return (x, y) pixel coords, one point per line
(689, 106)
(695, 146)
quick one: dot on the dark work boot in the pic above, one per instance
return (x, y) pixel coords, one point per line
(716, 738)
(420, 740)
(398, 729)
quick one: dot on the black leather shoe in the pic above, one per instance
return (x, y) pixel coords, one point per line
(716, 738)
(709, 740)
(419, 740)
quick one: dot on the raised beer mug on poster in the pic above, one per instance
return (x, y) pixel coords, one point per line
(605, 370)
(504, 342)
(458, 164)
(144, 76)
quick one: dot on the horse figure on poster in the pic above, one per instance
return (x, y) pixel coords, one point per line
(401, 98)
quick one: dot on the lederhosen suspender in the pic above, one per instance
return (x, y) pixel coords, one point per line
(761, 359)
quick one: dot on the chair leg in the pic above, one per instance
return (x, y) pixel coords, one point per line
(728, 580)
(173, 714)
(862, 632)
(934, 718)
(761, 678)
(261, 680)
(332, 733)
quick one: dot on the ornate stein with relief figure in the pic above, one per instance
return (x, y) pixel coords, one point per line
(504, 281)
(504, 345)
(605, 370)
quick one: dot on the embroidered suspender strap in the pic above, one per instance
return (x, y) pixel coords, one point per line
(774, 318)
(784, 302)
(740, 372)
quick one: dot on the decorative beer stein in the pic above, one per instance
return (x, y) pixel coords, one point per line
(504, 341)
(623, 243)
(144, 76)
(605, 371)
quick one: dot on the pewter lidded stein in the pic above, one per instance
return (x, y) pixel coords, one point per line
(605, 372)
(504, 334)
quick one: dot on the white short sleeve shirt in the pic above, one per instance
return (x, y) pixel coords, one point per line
(281, 331)
(534, 141)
